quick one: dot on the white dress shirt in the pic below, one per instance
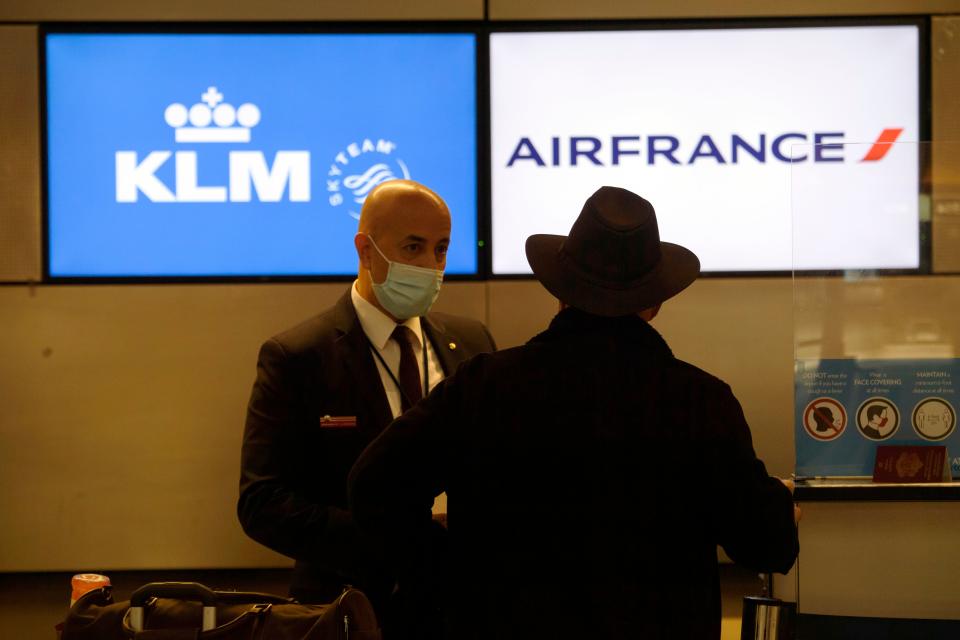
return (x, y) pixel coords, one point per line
(379, 327)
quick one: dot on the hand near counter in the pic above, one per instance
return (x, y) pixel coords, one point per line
(789, 484)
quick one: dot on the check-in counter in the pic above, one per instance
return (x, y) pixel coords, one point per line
(876, 560)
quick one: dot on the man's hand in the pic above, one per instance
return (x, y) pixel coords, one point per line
(788, 483)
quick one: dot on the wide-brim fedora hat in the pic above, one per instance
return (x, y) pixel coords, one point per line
(612, 263)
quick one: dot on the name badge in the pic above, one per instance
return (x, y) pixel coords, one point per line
(338, 422)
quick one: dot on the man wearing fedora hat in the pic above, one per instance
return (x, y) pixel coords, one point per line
(590, 474)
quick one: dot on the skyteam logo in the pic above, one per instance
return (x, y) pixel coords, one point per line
(669, 149)
(213, 121)
(360, 167)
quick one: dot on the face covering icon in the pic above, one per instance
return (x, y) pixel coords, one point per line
(408, 291)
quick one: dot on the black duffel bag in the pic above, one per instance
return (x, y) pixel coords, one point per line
(180, 610)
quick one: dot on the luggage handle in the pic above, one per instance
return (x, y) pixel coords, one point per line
(176, 591)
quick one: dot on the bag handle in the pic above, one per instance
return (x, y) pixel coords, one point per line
(176, 591)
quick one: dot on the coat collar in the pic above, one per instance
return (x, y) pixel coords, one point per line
(345, 318)
(573, 324)
(445, 344)
(354, 352)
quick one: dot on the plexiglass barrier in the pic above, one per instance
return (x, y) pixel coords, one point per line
(876, 254)
(876, 318)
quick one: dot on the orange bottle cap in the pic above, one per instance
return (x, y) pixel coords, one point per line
(84, 582)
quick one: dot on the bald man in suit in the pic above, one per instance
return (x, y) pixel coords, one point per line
(328, 386)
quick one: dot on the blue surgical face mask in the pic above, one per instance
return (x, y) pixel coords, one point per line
(408, 291)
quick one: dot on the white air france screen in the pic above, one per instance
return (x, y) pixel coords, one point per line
(705, 124)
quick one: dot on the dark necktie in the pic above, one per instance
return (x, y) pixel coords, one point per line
(409, 371)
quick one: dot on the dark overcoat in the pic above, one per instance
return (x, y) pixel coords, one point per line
(590, 477)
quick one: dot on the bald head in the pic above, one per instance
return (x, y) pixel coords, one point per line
(392, 202)
(401, 221)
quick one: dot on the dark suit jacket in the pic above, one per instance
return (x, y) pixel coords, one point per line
(590, 476)
(293, 496)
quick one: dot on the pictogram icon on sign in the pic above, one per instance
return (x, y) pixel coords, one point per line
(934, 419)
(824, 419)
(878, 419)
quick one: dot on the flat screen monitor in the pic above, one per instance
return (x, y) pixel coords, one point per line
(248, 155)
(707, 124)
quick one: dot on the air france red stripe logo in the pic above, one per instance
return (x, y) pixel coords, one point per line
(707, 148)
(882, 145)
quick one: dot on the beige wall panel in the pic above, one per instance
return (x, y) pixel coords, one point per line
(519, 309)
(945, 81)
(121, 416)
(626, 9)
(121, 407)
(740, 330)
(19, 155)
(230, 10)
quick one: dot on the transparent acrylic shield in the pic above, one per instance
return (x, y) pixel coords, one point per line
(876, 254)
(876, 237)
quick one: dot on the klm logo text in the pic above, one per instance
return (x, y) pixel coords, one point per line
(250, 178)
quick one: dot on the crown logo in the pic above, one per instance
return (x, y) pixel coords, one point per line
(212, 109)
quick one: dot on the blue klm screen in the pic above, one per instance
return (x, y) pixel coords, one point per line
(249, 155)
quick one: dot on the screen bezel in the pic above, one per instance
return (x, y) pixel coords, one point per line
(413, 28)
(924, 101)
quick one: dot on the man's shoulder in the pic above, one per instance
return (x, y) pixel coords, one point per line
(473, 334)
(453, 323)
(693, 373)
(500, 364)
(532, 352)
(324, 327)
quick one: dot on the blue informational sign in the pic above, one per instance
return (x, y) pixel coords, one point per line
(845, 409)
(249, 155)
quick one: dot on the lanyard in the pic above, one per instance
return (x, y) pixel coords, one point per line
(396, 382)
